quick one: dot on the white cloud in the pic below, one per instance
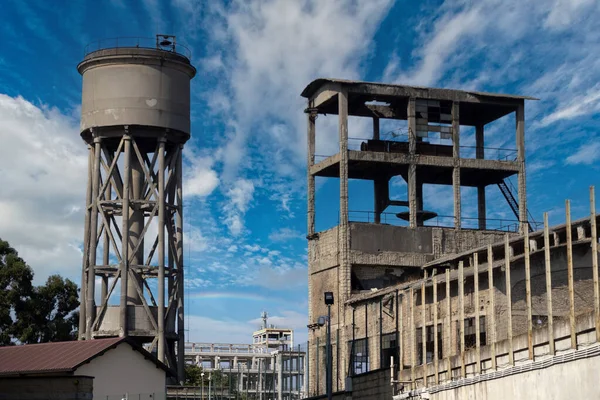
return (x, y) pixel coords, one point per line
(579, 105)
(563, 12)
(279, 47)
(199, 177)
(43, 172)
(276, 275)
(448, 32)
(587, 154)
(285, 234)
(194, 240)
(253, 248)
(239, 196)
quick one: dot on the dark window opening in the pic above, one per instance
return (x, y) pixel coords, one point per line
(389, 349)
(359, 356)
(470, 338)
(429, 344)
(539, 321)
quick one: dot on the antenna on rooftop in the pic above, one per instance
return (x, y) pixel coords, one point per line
(264, 317)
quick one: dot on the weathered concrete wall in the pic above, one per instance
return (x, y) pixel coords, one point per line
(42, 388)
(375, 238)
(374, 385)
(449, 241)
(388, 245)
(569, 380)
(323, 251)
(369, 321)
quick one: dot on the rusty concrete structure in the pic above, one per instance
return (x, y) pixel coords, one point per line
(135, 119)
(411, 289)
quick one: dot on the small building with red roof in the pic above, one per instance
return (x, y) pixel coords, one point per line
(118, 368)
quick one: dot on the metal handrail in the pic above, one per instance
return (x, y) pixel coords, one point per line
(133, 42)
(492, 224)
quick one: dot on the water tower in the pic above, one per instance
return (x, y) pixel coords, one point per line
(135, 119)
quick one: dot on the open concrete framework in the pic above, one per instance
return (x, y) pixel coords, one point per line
(271, 368)
(135, 121)
(361, 255)
(418, 292)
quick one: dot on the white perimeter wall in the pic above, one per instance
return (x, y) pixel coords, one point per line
(579, 379)
(123, 370)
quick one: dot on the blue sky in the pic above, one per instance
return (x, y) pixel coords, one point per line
(245, 202)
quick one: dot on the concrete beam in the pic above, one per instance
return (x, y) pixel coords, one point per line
(324, 94)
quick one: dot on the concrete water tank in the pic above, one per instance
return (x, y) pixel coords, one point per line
(136, 86)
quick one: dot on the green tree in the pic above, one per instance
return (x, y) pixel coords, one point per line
(193, 375)
(51, 313)
(15, 289)
(29, 314)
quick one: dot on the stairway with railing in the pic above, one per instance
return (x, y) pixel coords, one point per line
(507, 189)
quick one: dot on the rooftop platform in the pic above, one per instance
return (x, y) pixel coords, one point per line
(476, 108)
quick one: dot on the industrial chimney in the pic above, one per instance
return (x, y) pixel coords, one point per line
(135, 119)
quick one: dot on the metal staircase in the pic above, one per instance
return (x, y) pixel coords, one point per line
(507, 192)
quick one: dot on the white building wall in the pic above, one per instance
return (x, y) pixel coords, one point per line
(122, 371)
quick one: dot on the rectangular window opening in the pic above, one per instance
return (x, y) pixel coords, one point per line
(359, 356)
(429, 344)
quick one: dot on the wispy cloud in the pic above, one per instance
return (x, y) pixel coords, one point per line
(239, 196)
(587, 154)
(269, 64)
(588, 103)
(285, 234)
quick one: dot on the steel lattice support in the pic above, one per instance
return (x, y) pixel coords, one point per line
(133, 241)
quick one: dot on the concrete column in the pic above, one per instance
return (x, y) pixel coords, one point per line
(379, 196)
(86, 238)
(479, 154)
(136, 226)
(105, 251)
(377, 183)
(312, 116)
(180, 275)
(456, 170)
(305, 375)
(91, 283)
(412, 168)
(412, 126)
(419, 191)
(161, 250)
(520, 125)
(260, 380)
(344, 234)
(279, 377)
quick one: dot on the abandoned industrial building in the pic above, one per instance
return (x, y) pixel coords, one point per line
(269, 368)
(404, 302)
(428, 306)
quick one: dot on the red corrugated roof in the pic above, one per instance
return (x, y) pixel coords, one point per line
(51, 357)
